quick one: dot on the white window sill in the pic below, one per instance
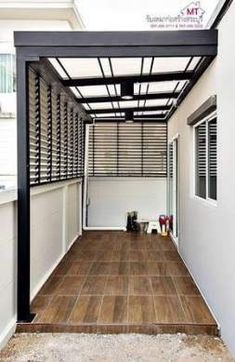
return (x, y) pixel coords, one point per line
(205, 202)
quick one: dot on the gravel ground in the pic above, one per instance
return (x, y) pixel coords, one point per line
(114, 348)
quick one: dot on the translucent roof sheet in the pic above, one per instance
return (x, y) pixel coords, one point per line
(98, 78)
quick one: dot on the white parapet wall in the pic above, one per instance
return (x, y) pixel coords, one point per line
(55, 224)
(110, 198)
(7, 265)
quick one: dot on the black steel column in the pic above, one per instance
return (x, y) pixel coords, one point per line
(23, 266)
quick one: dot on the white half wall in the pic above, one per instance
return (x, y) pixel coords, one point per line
(112, 197)
(206, 239)
(7, 267)
(55, 225)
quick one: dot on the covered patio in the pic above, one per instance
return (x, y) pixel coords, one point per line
(97, 105)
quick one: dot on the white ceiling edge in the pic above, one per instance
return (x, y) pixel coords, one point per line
(43, 10)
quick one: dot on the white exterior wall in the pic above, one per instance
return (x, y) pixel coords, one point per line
(206, 239)
(111, 198)
(8, 159)
(55, 225)
(7, 267)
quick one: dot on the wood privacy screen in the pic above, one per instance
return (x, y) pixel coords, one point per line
(122, 149)
(56, 133)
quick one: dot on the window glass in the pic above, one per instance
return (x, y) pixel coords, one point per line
(212, 159)
(200, 183)
(7, 73)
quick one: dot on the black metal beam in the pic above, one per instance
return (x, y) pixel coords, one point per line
(124, 52)
(116, 44)
(116, 39)
(146, 117)
(136, 97)
(158, 77)
(134, 109)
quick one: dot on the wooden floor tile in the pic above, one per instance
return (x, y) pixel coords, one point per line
(175, 268)
(168, 309)
(40, 303)
(196, 310)
(79, 268)
(138, 268)
(113, 310)
(163, 286)
(105, 256)
(94, 285)
(114, 282)
(153, 244)
(58, 310)
(171, 255)
(119, 268)
(141, 309)
(86, 310)
(154, 255)
(62, 268)
(116, 285)
(70, 285)
(185, 286)
(86, 255)
(137, 255)
(100, 268)
(120, 255)
(167, 244)
(51, 285)
(156, 268)
(139, 286)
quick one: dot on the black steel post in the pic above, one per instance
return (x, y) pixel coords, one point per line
(23, 260)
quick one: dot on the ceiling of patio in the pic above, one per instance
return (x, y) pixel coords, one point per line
(158, 84)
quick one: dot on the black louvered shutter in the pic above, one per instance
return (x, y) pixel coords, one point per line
(128, 149)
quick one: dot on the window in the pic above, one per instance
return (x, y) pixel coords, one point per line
(7, 73)
(206, 159)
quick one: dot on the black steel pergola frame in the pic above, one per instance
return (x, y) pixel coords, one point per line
(33, 46)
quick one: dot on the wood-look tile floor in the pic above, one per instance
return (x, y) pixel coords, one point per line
(121, 282)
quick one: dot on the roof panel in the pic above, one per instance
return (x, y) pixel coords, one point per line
(169, 64)
(96, 90)
(101, 105)
(81, 67)
(162, 86)
(155, 102)
(126, 66)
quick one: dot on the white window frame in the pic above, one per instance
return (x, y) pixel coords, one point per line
(207, 200)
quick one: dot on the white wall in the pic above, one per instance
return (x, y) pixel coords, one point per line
(7, 268)
(111, 198)
(7, 147)
(206, 239)
(55, 225)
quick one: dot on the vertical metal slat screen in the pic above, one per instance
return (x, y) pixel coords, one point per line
(56, 133)
(122, 149)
